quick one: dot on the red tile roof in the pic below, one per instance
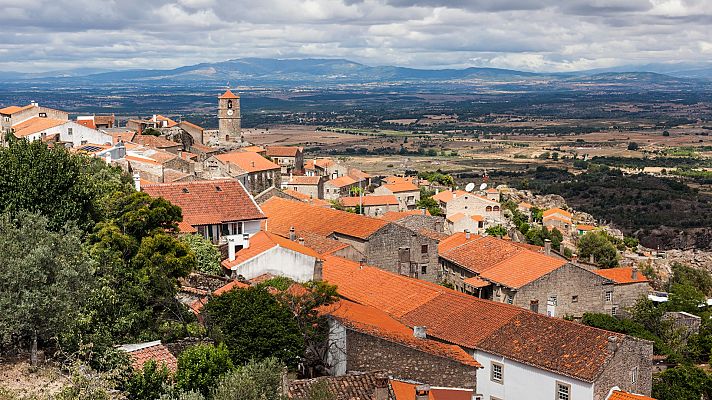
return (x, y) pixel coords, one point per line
(154, 141)
(11, 110)
(283, 214)
(142, 352)
(283, 151)
(306, 198)
(406, 391)
(454, 240)
(522, 268)
(552, 344)
(456, 217)
(477, 282)
(263, 241)
(401, 187)
(254, 149)
(557, 210)
(35, 125)
(353, 386)
(358, 174)
(447, 196)
(304, 180)
(230, 286)
(228, 95)
(481, 253)
(371, 321)
(399, 179)
(320, 244)
(369, 200)
(89, 123)
(209, 202)
(620, 395)
(621, 275)
(248, 161)
(582, 227)
(342, 181)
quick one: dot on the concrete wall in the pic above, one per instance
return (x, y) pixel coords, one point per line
(278, 261)
(632, 353)
(370, 353)
(524, 382)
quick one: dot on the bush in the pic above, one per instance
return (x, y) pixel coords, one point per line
(633, 146)
(598, 244)
(497, 230)
(206, 254)
(148, 382)
(255, 381)
(685, 382)
(201, 366)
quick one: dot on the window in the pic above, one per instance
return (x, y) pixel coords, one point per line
(488, 209)
(553, 301)
(497, 373)
(424, 249)
(43, 115)
(563, 391)
(509, 299)
(574, 299)
(634, 375)
(609, 296)
(495, 208)
(534, 306)
(614, 311)
(69, 131)
(423, 269)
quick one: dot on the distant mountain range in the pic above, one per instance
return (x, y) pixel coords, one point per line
(335, 71)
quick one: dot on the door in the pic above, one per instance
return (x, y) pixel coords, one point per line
(551, 306)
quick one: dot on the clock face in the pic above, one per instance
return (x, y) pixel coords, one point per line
(229, 112)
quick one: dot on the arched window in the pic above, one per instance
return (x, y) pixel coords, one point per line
(488, 209)
(229, 104)
(496, 208)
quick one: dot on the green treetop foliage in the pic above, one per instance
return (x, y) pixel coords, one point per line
(633, 146)
(497, 230)
(201, 366)
(64, 187)
(257, 380)
(149, 382)
(206, 254)
(437, 177)
(537, 214)
(45, 277)
(599, 244)
(254, 324)
(684, 382)
(427, 202)
(698, 278)
(137, 214)
(538, 235)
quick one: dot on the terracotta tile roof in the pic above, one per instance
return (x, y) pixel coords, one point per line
(477, 282)
(477, 218)
(89, 123)
(228, 95)
(435, 235)
(229, 287)
(557, 210)
(552, 344)
(357, 174)
(456, 217)
(283, 151)
(556, 218)
(160, 118)
(620, 395)
(401, 187)
(203, 148)
(248, 161)
(35, 125)
(104, 119)
(453, 241)
(393, 216)
(371, 321)
(306, 198)
(263, 241)
(522, 268)
(406, 391)
(525, 205)
(254, 149)
(154, 141)
(304, 180)
(359, 386)
(582, 227)
(320, 244)
(283, 214)
(11, 110)
(342, 181)
(481, 253)
(621, 275)
(209, 202)
(447, 196)
(399, 179)
(320, 162)
(369, 200)
(492, 190)
(190, 125)
(125, 136)
(140, 353)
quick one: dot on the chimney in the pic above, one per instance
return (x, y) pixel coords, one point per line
(547, 247)
(290, 177)
(467, 234)
(34, 104)
(231, 247)
(591, 259)
(361, 263)
(107, 158)
(136, 180)
(318, 270)
(437, 190)
(423, 211)
(422, 392)
(574, 258)
(301, 240)
(453, 194)
(420, 332)
(612, 344)
(634, 273)
(292, 234)
(380, 391)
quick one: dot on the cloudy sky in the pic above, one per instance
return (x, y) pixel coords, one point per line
(536, 35)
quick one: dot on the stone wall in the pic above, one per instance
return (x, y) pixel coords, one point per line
(369, 353)
(626, 295)
(632, 353)
(383, 247)
(418, 222)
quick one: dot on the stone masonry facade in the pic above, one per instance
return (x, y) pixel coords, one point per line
(369, 353)
(386, 249)
(631, 369)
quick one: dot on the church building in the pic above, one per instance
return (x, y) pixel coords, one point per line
(229, 118)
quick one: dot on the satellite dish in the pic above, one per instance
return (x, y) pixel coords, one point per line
(483, 186)
(470, 186)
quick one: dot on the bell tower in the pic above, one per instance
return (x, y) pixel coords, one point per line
(229, 118)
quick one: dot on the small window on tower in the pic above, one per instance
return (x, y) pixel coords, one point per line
(229, 104)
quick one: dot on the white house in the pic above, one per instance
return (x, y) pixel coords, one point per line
(39, 128)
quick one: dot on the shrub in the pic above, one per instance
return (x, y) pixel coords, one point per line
(201, 366)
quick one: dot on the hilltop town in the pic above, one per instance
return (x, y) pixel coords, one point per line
(155, 258)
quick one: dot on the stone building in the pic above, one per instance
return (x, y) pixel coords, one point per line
(290, 158)
(629, 285)
(254, 171)
(312, 186)
(363, 338)
(372, 205)
(339, 187)
(14, 115)
(559, 219)
(229, 117)
(407, 194)
(523, 354)
(387, 245)
(468, 211)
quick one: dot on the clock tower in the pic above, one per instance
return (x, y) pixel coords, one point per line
(229, 118)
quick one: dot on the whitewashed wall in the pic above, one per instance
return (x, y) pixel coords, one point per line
(279, 261)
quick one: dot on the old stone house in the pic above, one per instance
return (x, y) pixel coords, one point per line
(312, 186)
(339, 187)
(289, 158)
(466, 210)
(254, 171)
(62, 131)
(217, 209)
(559, 219)
(466, 223)
(407, 194)
(524, 355)
(629, 285)
(372, 205)
(387, 245)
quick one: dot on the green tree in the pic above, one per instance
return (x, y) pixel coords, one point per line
(685, 298)
(45, 277)
(427, 202)
(253, 324)
(686, 275)
(148, 382)
(207, 256)
(537, 214)
(633, 146)
(258, 380)
(597, 243)
(201, 366)
(684, 382)
(497, 230)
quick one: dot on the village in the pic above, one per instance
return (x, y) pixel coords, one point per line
(442, 292)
